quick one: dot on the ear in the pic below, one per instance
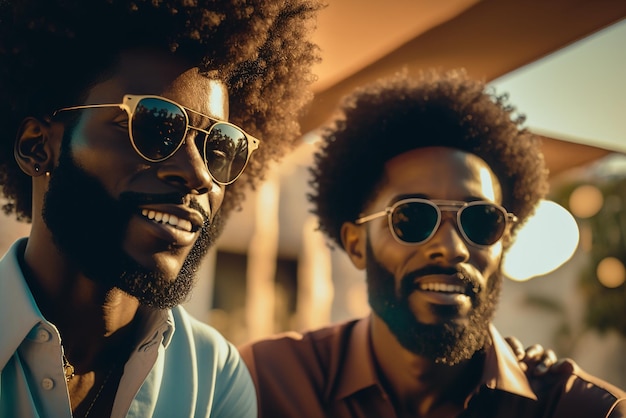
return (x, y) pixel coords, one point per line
(32, 150)
(353, 238)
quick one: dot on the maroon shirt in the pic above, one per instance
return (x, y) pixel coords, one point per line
(330, 373)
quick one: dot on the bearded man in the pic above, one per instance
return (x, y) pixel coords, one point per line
(423, 183)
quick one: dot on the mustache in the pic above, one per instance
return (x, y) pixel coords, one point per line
(407, 285)
(138, 199)
(131, 200)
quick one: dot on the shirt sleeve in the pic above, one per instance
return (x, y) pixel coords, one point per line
(235, 392)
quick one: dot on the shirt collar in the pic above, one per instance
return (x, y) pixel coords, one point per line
(157, 326)
(16, 299)
(358, 371)
(501, 370)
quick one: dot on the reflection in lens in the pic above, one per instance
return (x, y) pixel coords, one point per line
(414, 222)
(158, 128)
(226, 152)
(483, 224)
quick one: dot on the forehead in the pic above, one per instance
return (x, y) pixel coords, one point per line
(440, 173)
(153, 73)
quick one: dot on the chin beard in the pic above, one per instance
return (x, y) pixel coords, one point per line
(447, 343)
(88, 226)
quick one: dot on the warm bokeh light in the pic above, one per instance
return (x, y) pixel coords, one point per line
(585, 201)
(547, 240)
(611, 272)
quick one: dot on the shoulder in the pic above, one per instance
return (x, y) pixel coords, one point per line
(578, 393)
(200, 332)
(315, 343)
(202, 341)
(311, 354)
(198, 351)
(293, 371)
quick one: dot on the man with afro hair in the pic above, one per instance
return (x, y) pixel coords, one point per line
(423, 182)
(129, 130)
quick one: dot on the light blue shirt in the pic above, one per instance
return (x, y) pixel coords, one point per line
(181, 368)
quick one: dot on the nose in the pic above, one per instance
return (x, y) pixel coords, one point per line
(447, 245)
(186, 168)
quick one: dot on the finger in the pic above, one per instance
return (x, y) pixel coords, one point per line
(516, 346)
(547, 361)
(540, 369)
(564, 365)
(535, 353)
(549, 358)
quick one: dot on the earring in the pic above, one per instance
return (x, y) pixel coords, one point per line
(37, 168)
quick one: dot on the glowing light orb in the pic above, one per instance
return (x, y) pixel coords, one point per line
(546, 241)
(585, 201)
(611, 272)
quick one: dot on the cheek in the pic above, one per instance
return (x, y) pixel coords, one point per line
(104, 155)
(216, 198)
(392, 255)
(489, 259)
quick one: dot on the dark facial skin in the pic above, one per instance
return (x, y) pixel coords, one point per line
(444, 326)
(97, 192)
(96, 247)
(96, 252)
(447, 342)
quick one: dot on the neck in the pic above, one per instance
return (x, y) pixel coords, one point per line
(417, 385)
(94, 322)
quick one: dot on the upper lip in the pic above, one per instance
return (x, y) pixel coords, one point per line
(181, 212)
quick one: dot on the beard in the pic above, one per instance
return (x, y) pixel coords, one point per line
(89, 226)
(448, 342)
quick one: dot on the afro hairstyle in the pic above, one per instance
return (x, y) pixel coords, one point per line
(400, 113)
(52, 50)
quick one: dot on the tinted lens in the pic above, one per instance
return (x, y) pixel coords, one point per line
(483, 224)
(226, 152)
(414, 222)
(158, 128)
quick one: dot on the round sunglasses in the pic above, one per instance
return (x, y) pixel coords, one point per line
(414, 221)
(157, 128)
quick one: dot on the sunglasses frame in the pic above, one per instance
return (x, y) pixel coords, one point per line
(129, 105)
(440, 206)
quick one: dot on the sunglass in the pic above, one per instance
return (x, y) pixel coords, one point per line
(415, 220)
(157, 128)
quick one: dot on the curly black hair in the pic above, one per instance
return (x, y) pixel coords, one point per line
(399, 113)
(51, 50)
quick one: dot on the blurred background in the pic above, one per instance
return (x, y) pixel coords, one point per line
(563, 64)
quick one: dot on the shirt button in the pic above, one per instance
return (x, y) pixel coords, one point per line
(43, 335)
(47, 383)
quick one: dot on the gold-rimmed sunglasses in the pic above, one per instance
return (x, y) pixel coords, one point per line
(415, 220)
(157, 128)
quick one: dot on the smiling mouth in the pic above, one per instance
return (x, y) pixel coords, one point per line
(168, 219)
(442, 287)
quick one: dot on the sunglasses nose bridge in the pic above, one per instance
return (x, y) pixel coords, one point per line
(447, 242)
(188, 164)
(199, 138)
(447, 218)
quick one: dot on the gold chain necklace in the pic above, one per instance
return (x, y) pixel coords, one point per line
(69, 373)
(68, 369)
(104, 382)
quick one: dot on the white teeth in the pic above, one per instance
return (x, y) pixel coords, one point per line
(442, 287)
(167, 218)
(184, 224)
